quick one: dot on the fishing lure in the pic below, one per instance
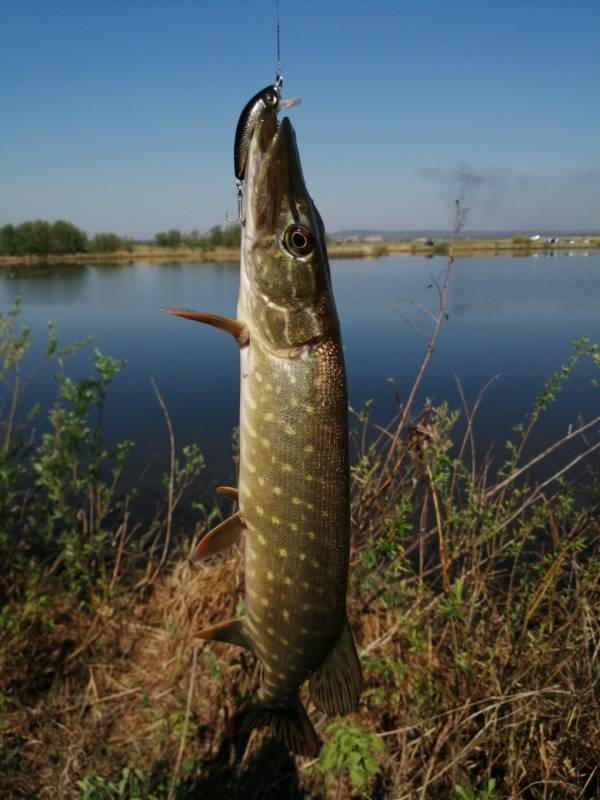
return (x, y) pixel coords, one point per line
(268, 100)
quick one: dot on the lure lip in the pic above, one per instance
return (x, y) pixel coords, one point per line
(290, 102)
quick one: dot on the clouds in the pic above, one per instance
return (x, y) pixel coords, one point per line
(504, 198)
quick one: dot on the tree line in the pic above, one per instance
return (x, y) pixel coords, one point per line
(215, 238)
(39, 237)
(42, 238)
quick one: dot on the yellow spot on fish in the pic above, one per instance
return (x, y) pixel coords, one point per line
(277, 490)
(286, 467)
(287, 581)
(308, 478)
(305, 631)
(312, 535)
(310, 506)
(302, 556)
(315, 563)
(264, 601)
(309, 448)
(269, 387)
(281, 675)
(275, 520)
(265, 442)
(261, 481)
(305, 585)
(252, 573)
(251, 467)
(285, 614)
(251, 430)
(270, 631)
(309, 409)
(270, 576)
(258, 377)
(293, 526)
(261, 539)
(269, 416)
(289, 430)
(285, 642)
(296, 501)
(294, 402)
(306, 607)
(259, 510)
(299, 651)
(283, 552)
(292, 380)
(250, 401)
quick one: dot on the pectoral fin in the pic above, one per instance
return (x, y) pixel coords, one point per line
(226, 534)
(233, 326)
(335, 687)
(233, 631)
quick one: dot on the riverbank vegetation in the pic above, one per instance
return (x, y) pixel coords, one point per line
(474, 597)
(62, 242)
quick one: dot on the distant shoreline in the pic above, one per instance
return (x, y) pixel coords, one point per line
(352, 249)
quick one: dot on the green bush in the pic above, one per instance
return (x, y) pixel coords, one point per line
(172, 238)
(107, 243)
(353, 750)
(42, 238)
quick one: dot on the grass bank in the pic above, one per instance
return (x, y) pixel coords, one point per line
(518, 245)
(474, 599)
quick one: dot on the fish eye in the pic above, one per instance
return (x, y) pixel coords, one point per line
(298, 240)
(270, 98)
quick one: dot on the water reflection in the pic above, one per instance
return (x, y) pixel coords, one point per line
(512, 316)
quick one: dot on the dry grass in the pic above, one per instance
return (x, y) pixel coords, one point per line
(503, 685)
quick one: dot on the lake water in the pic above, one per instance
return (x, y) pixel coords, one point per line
(507, 316)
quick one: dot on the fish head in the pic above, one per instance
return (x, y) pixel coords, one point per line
(285, 288)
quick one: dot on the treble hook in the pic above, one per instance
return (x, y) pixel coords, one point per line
(240, 194)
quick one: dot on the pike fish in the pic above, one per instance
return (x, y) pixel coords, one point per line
(293, 493)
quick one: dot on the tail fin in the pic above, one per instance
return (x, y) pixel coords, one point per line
(290, 724)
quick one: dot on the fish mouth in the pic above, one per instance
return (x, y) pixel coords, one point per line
(274, 181)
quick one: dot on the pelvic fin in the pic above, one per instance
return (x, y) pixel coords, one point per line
(224, 535)
(228, 491)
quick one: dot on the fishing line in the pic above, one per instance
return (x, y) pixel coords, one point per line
(278, 75)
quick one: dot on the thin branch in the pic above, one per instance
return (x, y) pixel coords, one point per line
(186, 723)
(171, 487)
(570, 435)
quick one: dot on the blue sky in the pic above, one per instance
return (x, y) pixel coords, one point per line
(120, 115)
